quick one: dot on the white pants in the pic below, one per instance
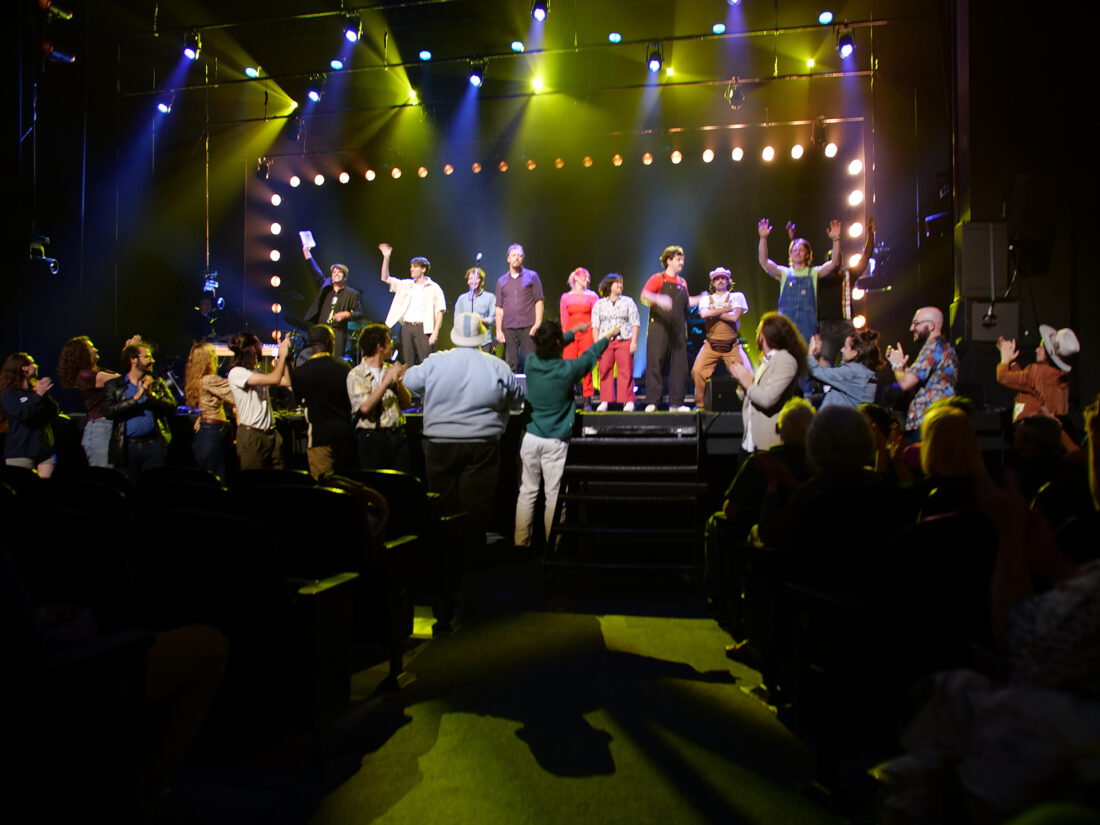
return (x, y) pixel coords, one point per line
(543, 460)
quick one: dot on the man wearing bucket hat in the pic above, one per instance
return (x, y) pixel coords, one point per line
(468, 395)
(1042, 387)
(721, 312)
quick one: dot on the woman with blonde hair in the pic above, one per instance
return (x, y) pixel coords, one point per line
(576, 310)
(209, 393)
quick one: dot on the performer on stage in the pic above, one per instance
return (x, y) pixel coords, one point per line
(721, 311)
(666, 295)
(335, 304)
(478, 301)
(418, 303)
(519, 308)
(576, 308)
(616, 310)
(798, 282)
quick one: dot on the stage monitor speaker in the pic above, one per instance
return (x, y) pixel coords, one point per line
(971, 319)
(720, 395)
(984, 254)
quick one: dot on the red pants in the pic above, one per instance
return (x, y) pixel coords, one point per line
(581, 341)
(617, 354)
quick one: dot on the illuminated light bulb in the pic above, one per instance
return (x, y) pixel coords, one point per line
(344, 177)
(830, 150)
(856, 197)
(475, 167)
(274, 255)
(530, 163)
(616, 159)
(854, 260)
(768, 154)
(276, 199)
(536, 84)
(738, 154)
(810, 63)
(855, 167)
(708, 155)
(448, 169)
(647, 159)
(503, 166)
(855, 230)
(395, 173)
(370, 174)
(422, 172)
(797, 151)
(517, 46)
(559, 163)
(858, 293)
(614, 37)
(718, 28)
(276, 228)
(318, 180)
(295, 181)
(587, 161)
(276, 307)
(859, 322)
(676, 156)
(276, 280)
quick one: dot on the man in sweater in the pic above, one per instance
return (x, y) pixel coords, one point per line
(321, 384)
(550, 414)
(468, 396)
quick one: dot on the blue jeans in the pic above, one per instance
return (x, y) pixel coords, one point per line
(208, 447)
(96, 441)
(143, 455)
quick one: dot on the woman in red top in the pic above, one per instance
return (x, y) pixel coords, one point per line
(576, 308)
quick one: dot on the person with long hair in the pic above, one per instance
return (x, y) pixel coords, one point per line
(775, 381)
(78, 368)
(26, 410)
(576, 310)
(209, 393)
(854, 380)
(616, 310)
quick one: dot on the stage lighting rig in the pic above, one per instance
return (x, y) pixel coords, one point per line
(477, 72)
(164, 103)
(845, 44)
(263, 168)
(735, 93)
(192, 45)
(655, 57)
(353, 28)
(40, 263)
(540, 10)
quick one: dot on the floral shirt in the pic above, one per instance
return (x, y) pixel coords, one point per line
(936, 367)
(622, 311)
(361, 383)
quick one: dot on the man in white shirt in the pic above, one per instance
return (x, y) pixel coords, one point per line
(418, 303)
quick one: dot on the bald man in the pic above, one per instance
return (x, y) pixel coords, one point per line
(933, 372)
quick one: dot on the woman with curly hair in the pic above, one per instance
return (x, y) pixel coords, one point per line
(209, 393)
(26, 411)
(78, 368)
(853, 382)
(775, 381)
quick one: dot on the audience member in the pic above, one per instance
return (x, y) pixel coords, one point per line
(258, 442)
(139, 405)
(853, 382)
(26, 411)
(933, 372)
(209, 394)
(78, 368)
(321, 384)
(377, 395)
(783, 359)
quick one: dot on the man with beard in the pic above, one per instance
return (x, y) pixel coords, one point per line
(519, 308)
(933, 372)
(335, 304)
(666, 294)
(140, 407)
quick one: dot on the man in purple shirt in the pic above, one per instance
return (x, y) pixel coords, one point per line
(519, 308)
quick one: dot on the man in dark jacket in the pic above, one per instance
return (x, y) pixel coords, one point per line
(140, 406)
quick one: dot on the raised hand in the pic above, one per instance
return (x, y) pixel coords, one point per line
(385, 249)
(764, 228)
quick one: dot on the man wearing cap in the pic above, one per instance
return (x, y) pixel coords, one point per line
(1042, 387)
(721, 312)
(418, 303)
(933, 372)
(468, 395)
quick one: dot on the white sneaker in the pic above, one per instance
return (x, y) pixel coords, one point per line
(651, 408)
(602, 407)
(683, 409)
(628, 406)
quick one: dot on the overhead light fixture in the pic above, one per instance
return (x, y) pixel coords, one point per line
(425, 55)
(477, 73)
(353, 28)
(540, 9)
(53, 11)
(164, 103)
(316, 88)
(844, 42)
(336, 63)
(55, 55)
(818, 135)
(252, 71)
(614, 37)
(518, 46)
(825, 18)
(263, 168)
(735, 93)
(656, 57)
(192, 45)
(718, 28)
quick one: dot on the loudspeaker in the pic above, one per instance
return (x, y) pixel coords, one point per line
(970, 319)
(720, 395)
(984, 255)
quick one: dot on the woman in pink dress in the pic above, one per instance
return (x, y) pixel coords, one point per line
(576, 308)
